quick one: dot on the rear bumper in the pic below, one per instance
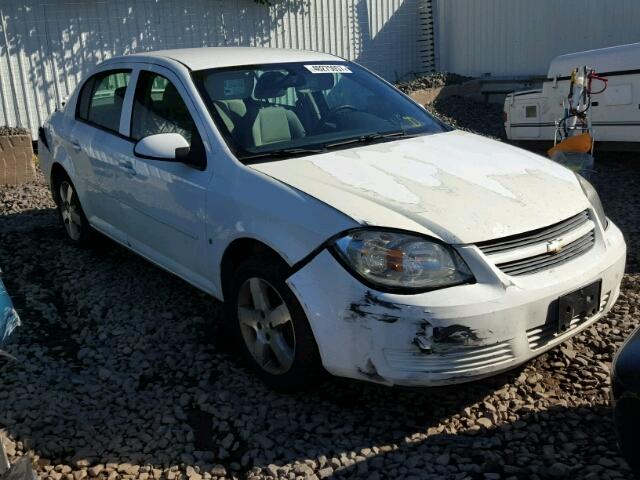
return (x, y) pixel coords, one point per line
(451, 335)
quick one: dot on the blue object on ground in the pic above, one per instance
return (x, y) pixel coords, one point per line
(9, 318)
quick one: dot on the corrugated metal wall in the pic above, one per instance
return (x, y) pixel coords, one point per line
(47, 47)
(521, 37)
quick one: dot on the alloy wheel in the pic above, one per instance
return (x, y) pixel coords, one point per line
(70, 210)
(266, 326)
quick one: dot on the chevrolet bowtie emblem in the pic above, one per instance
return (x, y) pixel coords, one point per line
(555, 246)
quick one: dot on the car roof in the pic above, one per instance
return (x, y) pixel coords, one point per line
(217, 57)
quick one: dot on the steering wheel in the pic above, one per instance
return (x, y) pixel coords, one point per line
(343, 107)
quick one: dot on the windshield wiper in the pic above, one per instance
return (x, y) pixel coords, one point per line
(283, 153)
(369, 138)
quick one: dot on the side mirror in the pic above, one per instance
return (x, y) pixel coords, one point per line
(162, 146)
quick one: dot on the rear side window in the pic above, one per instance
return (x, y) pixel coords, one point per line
(101, 99)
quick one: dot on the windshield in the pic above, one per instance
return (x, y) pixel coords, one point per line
(276, 110)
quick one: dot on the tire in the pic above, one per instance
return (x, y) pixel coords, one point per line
(262, 309)
(74, 221)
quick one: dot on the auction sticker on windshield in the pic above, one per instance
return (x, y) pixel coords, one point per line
(327, 69)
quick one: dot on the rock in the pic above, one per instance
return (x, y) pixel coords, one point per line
(272, 470)
(219, 471)
(227, 441)
(79, 475)
(484, 422)
(95, 470)
(326, 472)
(443, 459)
(606, 462)
(559, 470)
(192, 474)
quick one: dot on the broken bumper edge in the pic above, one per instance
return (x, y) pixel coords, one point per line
(447, 336)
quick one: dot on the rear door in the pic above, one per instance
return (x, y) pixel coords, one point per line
(165, 200)
(100, 151)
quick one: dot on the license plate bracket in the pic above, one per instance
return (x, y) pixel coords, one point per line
(583, 303)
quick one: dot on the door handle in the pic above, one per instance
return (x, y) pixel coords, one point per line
(75, 145)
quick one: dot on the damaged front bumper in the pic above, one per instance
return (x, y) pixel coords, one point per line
(452, 335)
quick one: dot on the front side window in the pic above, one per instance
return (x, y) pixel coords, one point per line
(100, 101)
(159, 108)
(291, 107)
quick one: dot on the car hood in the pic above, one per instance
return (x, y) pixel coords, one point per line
(460, 187)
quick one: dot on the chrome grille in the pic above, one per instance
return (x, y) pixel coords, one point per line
(528, 253)
(455, 361)
(540, 235)
(548, 260)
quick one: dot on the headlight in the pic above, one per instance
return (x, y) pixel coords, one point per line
(397, 261)
(594, 199)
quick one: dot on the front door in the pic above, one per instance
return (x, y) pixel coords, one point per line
(165, 201)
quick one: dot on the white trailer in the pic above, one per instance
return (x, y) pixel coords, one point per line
(615, 113)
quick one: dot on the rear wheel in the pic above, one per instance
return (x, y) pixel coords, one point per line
(72, 216)
(271, 328)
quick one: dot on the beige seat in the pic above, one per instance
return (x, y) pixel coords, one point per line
(272, 123)
(232, 113)
(275, 124)
(230, 93)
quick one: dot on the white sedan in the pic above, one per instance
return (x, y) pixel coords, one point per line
(344, 227)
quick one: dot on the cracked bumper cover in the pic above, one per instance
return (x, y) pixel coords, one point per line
(452, 335)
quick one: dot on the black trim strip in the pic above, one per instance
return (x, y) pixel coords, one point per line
(615, 124)
(526, 92)
(595, 124)
(615, 73)
(533, 125)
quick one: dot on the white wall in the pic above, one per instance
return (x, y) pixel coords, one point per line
(47, 46)
(521, 37)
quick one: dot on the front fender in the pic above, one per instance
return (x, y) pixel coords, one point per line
(256, 206)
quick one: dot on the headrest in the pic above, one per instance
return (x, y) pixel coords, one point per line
(269, 85)
(318, 82)
(274, 84)
(229, 85)
(171, 96)
(120, 92)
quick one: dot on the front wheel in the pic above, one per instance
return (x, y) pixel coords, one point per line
(271, 328)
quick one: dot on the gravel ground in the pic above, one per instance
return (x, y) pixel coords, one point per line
(470, 115)
(434, 80)
(122, 373)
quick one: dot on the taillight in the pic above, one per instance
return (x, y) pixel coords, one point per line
(505, 116)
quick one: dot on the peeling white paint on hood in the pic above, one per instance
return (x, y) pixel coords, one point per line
(461, 187)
